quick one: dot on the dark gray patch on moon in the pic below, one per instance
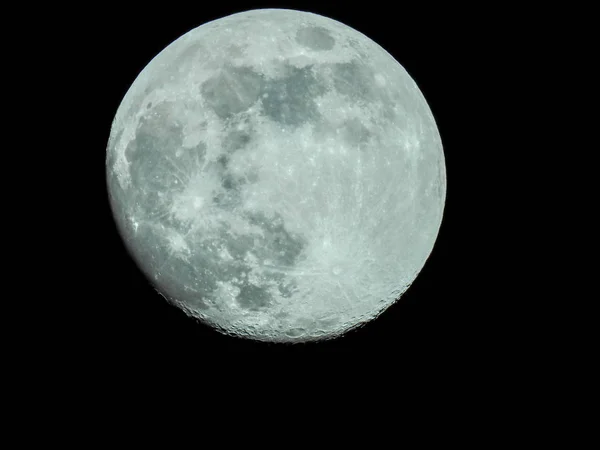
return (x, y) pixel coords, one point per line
(192, 157)
(253, 297)
(230, 197)
(356, 81)
(353, 80)
(181, 280)
(204, 268)
(355, 133)
(279, 246)
(236, 140)
(161, 167)
(147, 155)
(290, 100)
(315, 38)
(232, 90)
(237, 245)
(276, 247)
(192, 52)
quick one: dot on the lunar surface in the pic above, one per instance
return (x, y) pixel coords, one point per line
(277, 175)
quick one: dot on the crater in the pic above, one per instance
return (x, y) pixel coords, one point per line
(315, 38)
(295, 332)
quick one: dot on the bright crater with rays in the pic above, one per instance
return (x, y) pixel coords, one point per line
(277, 175)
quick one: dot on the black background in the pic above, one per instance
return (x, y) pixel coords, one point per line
(450, 318)
(479, 338)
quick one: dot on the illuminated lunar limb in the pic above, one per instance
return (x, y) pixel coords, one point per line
(278, 175)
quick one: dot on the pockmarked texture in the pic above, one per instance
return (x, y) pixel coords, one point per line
(277, 175)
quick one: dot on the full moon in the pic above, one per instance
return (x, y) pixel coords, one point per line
(277, 175)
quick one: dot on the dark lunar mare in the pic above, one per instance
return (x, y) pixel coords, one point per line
(156, 176)
(315, 38)
(289, 100)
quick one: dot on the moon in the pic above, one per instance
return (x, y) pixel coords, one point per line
(277, 175)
